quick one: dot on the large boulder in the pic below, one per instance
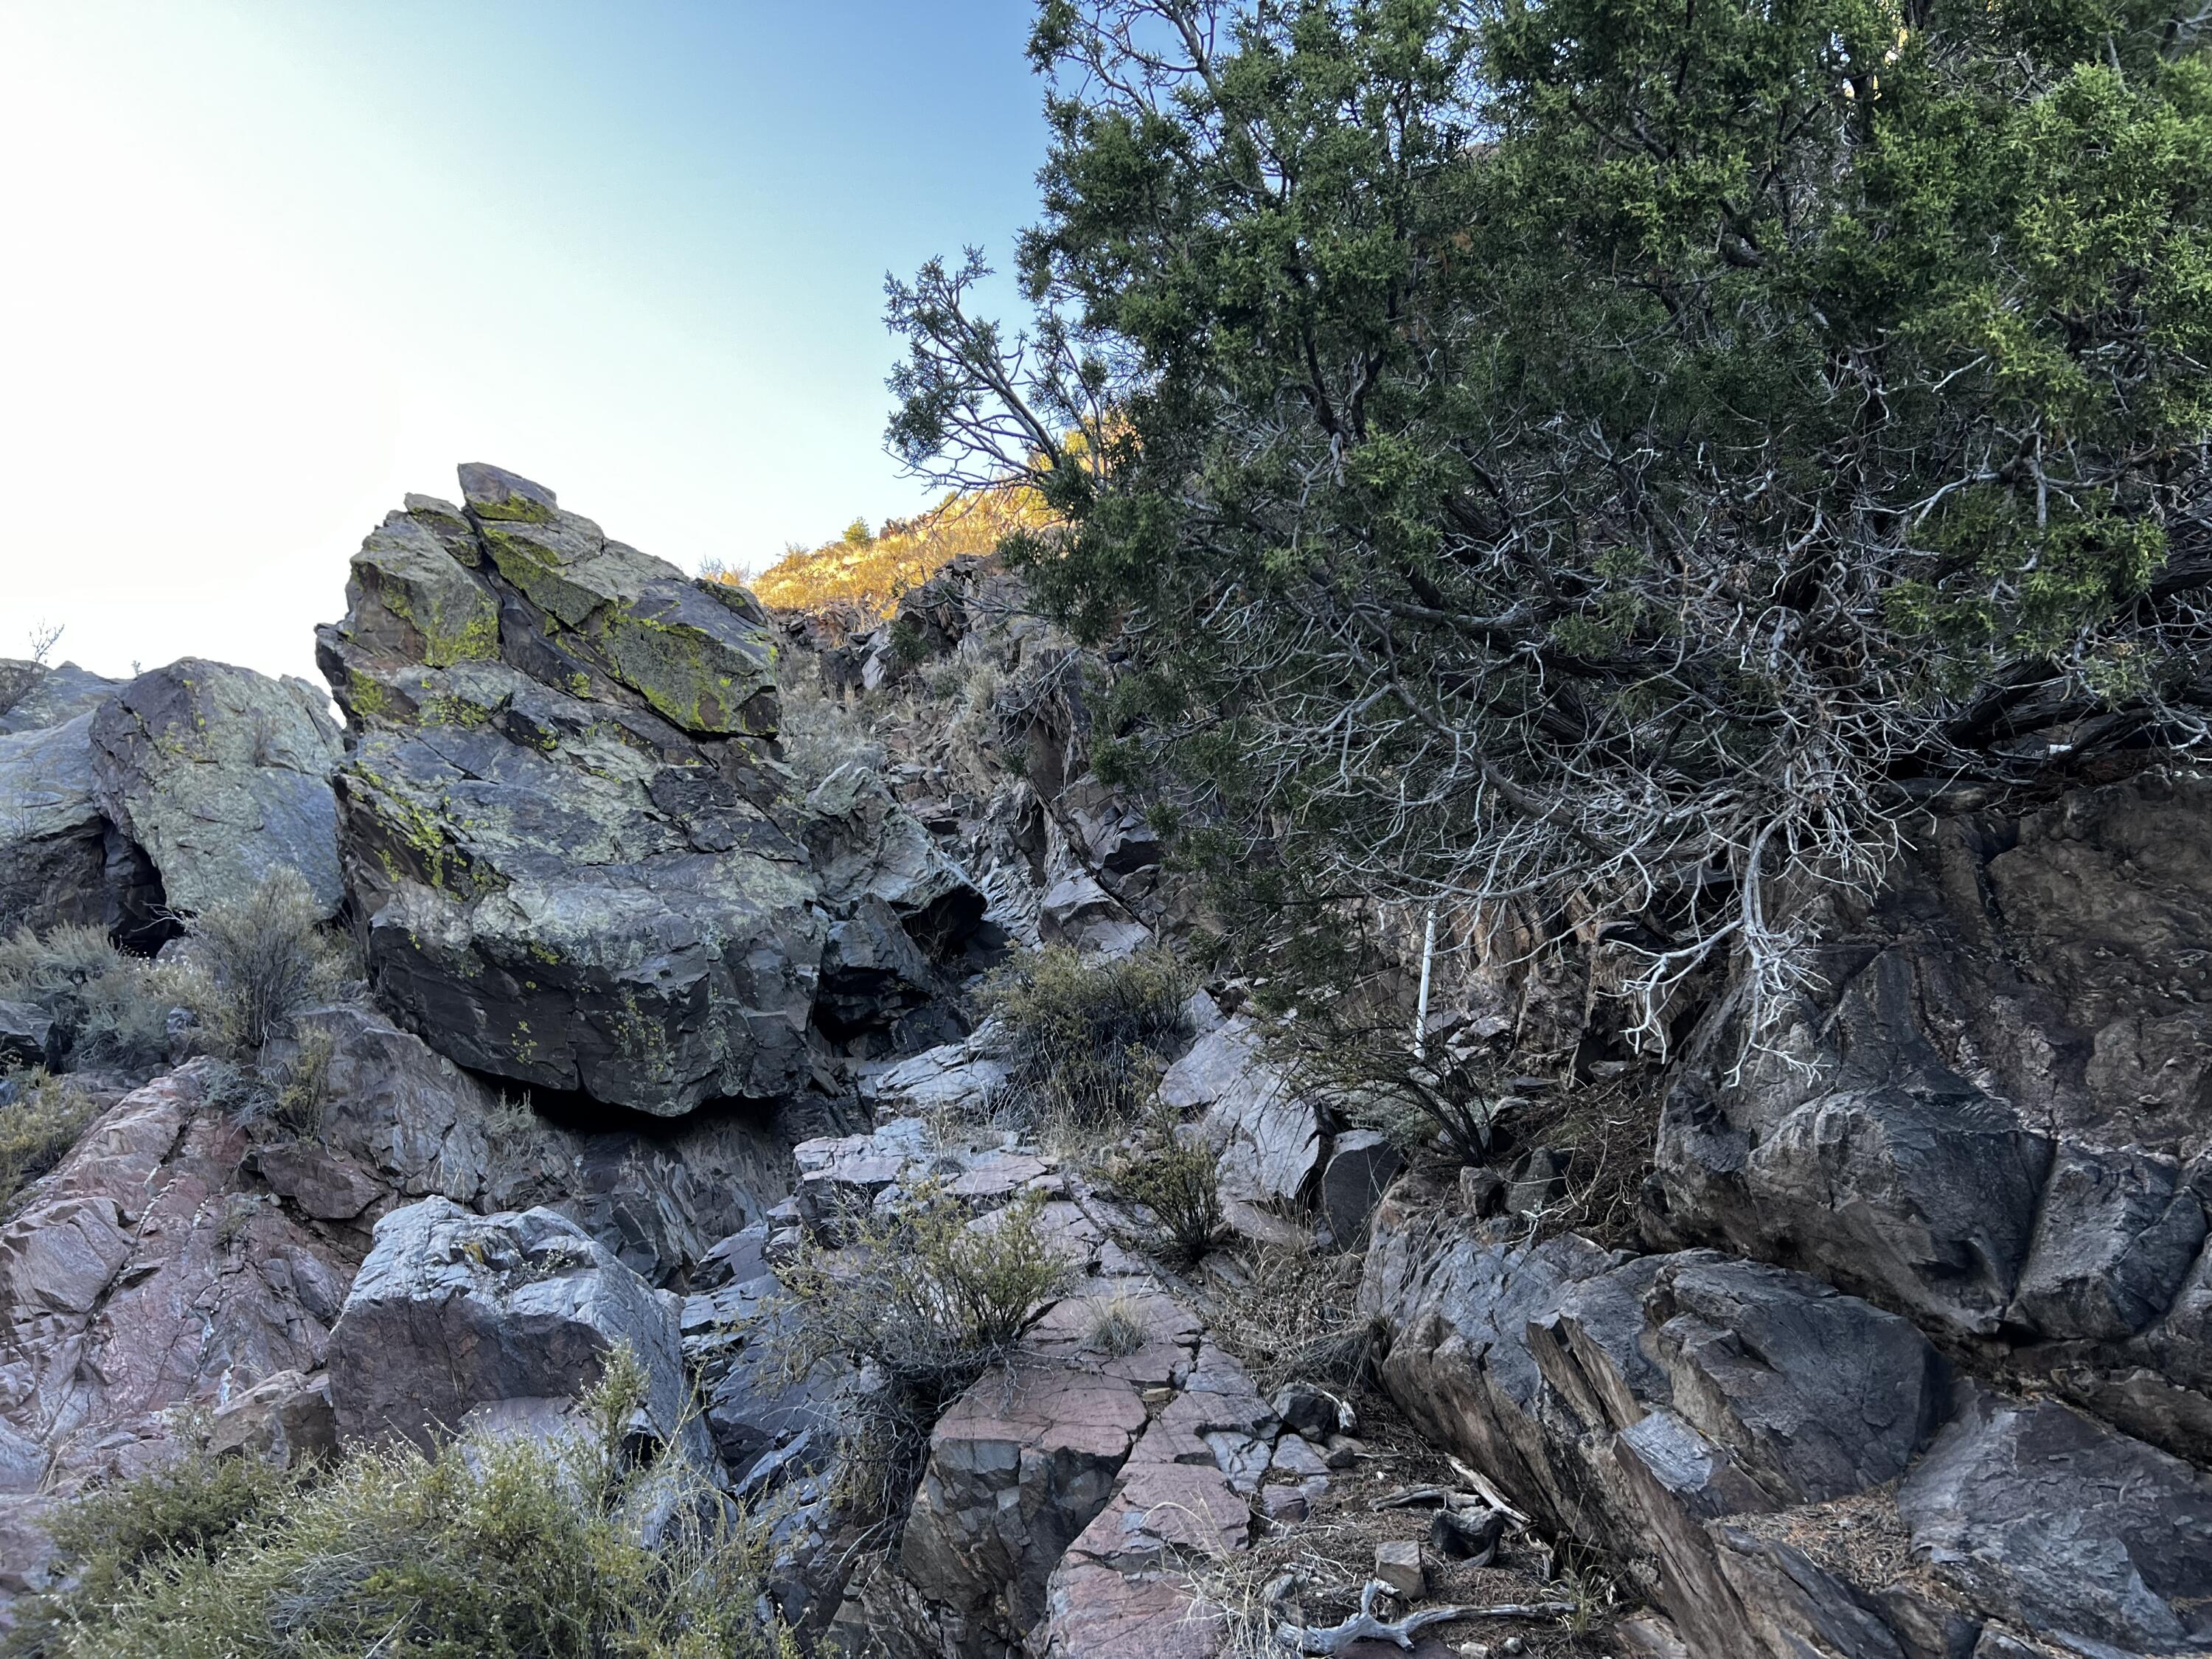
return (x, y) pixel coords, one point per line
(34, 696)
(457, 1320)
(222, 775)
(1993, 1115)
(582, 867)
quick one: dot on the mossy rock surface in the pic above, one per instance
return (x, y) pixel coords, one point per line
(583, 865)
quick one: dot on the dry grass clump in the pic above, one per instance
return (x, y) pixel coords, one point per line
(1087, 1039)
(110, 1009)
(485, 1547)
(1116, 1324)
(1292, 1314)
(38, 1128)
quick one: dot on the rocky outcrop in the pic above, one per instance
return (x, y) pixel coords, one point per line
(33, 696)
(458, 1321)
(1998, 1120)
(582, 867)
(222, 775)
(1775, 1460)
(180, 1258)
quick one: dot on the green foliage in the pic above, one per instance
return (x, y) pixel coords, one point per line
(1178, 1179)
(1087, 1038)
(487, 1547)
(924, 1292)
(927, 1295)
(37, 1128)
(110, 1009)
(1606, 453)
(257, 962)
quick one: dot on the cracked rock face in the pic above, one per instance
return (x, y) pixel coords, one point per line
(583, 865)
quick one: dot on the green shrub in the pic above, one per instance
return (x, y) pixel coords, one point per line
(1088, 1038)
(256, 962)
(110, 1009)
(1179, 1181)
(37, 1129)
(487, 1547)
(929, 1298)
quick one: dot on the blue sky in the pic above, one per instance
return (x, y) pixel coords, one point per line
(271, 263)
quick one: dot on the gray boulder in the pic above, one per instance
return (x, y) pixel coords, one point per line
(61, 861)
(1663, 1409)
(222, 775)
(456, 1319)
(34, 696)
(2055, 1522)
(1268, 1135)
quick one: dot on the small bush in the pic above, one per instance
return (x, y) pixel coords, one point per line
(257, 962)
(110, 1009)
(46, 1118)
(486, 1546)
(927, 1298)
(1087, 1038)
(1179, 1181)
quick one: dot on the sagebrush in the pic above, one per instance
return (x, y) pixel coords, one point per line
(925, 1297)
(110, 1009)
(38, 1128)
(510, 1546)
(256, 962)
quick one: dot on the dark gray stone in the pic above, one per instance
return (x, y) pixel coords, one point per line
(2059, 1524)
(2115, 1238)
(26, 1036)
(1362, 1163)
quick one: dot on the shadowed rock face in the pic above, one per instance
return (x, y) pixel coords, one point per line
(583, 865)
(1997, 1118)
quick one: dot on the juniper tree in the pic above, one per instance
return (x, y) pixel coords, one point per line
(1622, 456)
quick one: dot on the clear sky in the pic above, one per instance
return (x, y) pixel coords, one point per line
(271, 263)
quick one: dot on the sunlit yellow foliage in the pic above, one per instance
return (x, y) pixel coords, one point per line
(870, 570)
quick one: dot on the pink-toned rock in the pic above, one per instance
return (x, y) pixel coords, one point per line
(1160, 1510)
(1068, 1331)
(1095, 1612)
(1018, 1466)
(139, 1275)
(323, 1185)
